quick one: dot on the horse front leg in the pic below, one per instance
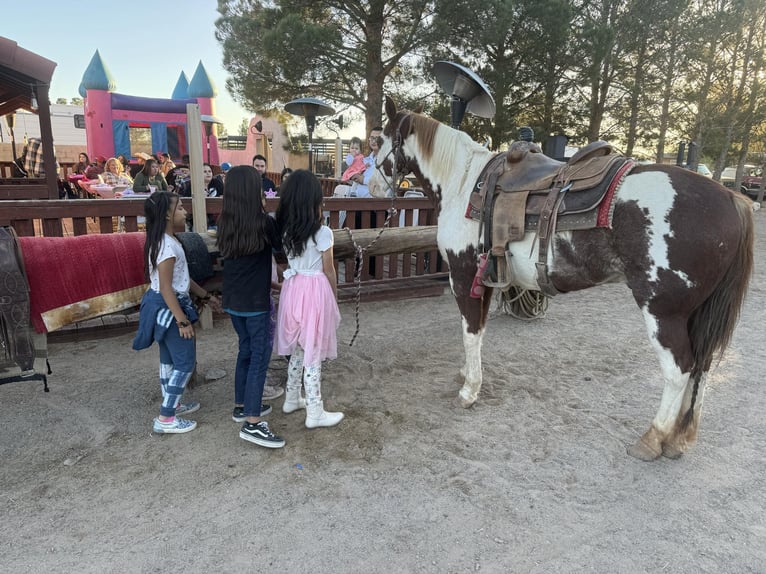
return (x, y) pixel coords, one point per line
(471, 371)
(474, 313)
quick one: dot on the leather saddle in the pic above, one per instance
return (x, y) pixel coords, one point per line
(15, 329)
(524, 190)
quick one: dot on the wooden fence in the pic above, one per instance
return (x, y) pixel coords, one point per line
(384, 276)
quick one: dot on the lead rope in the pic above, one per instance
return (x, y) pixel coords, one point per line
(359, 252)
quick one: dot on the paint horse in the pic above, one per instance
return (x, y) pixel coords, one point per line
(681, 242)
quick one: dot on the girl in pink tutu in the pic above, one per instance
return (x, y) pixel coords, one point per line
(308, 316)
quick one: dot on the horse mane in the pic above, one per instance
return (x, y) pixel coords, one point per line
(425, 128)
(440, 154)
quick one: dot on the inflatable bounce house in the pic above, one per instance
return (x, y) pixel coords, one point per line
(119, 124)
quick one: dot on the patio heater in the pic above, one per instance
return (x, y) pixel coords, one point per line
(208, 122)
(468, 92)
(309, 108)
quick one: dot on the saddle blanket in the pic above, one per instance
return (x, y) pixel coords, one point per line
(73, 279)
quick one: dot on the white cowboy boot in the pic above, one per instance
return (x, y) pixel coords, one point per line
(293, 400)
(316, 416)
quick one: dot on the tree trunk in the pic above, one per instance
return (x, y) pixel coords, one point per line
(373, 103)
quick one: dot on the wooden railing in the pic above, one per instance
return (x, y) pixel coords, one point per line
(57, 218)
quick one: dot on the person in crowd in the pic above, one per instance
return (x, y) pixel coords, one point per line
(247, 237)
(83, 162)
(167, 313)
(362, 180)
(355, 160)
(149, 177)
(213, 185)
(308, 315)
(166, 164)
(286, 171)
(96, 168)
(114, 174)
(259, 163)
(124, 161)
(141, 158)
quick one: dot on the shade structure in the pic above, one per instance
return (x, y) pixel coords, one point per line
(467, 89)
(309, 108)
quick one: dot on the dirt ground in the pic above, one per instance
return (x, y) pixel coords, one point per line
(534, 478)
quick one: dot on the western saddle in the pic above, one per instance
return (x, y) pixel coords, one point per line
(524, 190)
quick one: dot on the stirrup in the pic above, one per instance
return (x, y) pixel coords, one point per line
(503, 273)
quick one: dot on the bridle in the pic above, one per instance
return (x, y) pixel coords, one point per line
(398, 155)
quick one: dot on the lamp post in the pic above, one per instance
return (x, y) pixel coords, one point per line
(309, 108)
(468, 92)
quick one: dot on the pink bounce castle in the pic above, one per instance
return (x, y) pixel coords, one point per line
(119, 124)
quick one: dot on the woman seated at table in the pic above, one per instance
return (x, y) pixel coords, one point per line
(83, 161)
(150, 177)
(114, 174)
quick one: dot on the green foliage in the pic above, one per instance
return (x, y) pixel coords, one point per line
(340, 51)
(642, 73)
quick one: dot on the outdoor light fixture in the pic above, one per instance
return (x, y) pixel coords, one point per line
(309, 108)
(468, 91)
(33, 100)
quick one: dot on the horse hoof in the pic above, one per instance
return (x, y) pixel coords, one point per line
(643, 451)
(463, 403)
(671, 451)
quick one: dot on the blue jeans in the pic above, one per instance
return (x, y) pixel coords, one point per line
(178, 356)
(255, 342)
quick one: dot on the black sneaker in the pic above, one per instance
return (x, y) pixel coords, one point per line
(260, 434)
(238, 414)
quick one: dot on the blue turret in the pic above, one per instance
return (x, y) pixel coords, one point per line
(181, 91)
(201, 86)
(97, 76)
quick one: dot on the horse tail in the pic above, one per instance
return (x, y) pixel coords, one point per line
(711, 325)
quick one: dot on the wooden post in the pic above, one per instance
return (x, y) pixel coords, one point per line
(338, 158)
(194, 129)
(46, 137)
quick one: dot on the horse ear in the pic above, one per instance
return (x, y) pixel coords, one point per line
(419, 109)
(390, 108)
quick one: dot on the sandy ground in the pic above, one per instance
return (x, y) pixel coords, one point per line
(533, 478)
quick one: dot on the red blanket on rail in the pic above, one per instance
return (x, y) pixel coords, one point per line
(66, 270)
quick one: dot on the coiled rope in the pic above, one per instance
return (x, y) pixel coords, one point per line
(523, 304)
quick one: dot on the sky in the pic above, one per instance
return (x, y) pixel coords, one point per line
(145, 45)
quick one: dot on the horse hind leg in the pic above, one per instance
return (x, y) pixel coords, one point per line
(674, 427)
(687, 423)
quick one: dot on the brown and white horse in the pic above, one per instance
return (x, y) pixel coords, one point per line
(681, 242)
